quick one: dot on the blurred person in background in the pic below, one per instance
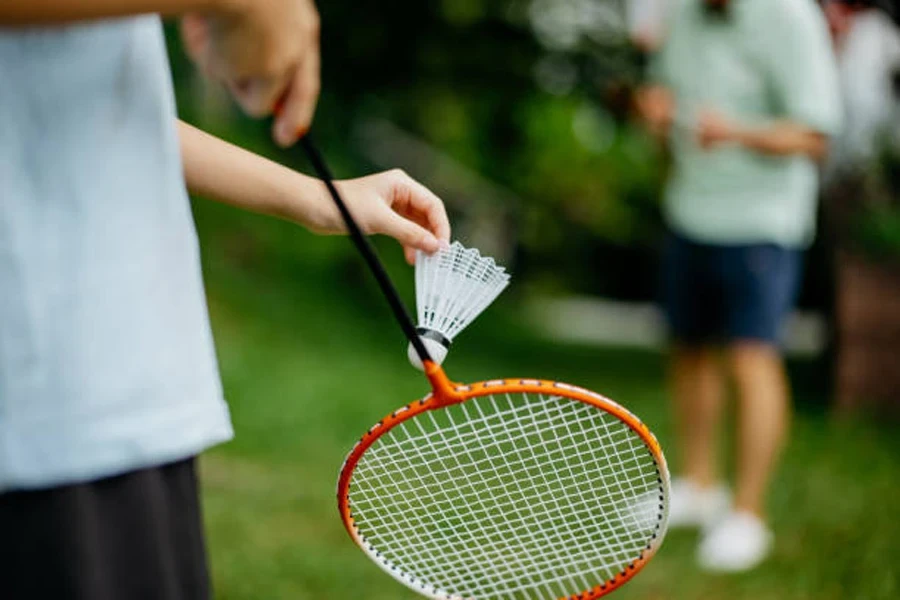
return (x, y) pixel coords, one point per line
(109, 385)
(867, 43)
(746, 94)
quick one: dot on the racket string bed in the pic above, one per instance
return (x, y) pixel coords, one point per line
(424, 487)
(521, 496)
(527, 491)
(505, 491)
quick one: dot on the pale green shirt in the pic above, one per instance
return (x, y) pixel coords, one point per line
(768, 60)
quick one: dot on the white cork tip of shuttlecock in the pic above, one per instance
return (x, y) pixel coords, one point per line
(437, 351)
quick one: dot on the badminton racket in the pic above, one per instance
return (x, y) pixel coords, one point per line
(513, 489)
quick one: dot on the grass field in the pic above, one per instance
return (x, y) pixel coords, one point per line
(310, 359)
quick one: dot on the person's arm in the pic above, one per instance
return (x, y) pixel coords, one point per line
(784, 138)
(800, 64)
(35, 12)
(389, 203)
(654, 102)
(778, 138)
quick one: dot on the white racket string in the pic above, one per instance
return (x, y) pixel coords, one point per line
(514, 497)
(630, 467)
(423, 487)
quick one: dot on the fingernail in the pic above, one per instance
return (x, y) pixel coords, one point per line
(433, 243)
(284, 133)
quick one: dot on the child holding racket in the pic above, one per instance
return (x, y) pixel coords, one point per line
(108, 379)
(746, 94)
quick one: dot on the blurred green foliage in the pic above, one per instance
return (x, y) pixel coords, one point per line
(878, 234)
(876, 210)
(469, 78)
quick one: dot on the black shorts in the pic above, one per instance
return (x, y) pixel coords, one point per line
(137, 536)
(716, 293)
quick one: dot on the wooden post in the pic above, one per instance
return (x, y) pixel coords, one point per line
(868, 335)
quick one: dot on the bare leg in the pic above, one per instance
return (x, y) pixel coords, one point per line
(697, 389)
(763, 413)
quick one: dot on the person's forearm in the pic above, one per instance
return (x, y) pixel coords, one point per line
(783, 138)
(35, 12)
(220, 171)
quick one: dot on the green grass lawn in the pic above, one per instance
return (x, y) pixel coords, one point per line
(310, 359)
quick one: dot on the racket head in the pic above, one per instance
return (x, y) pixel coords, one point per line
(516, 488)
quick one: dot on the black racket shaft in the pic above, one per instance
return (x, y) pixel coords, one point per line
(368, 252)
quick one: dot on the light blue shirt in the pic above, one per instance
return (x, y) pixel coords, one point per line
(770, 60)
(106, 356)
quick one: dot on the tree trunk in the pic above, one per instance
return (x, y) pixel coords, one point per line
(868, 335)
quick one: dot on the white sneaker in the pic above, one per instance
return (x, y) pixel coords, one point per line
(692, 506)
(737, 543)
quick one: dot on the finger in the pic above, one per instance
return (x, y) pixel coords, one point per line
(418, 199)
(252, 90)
(299, 105)
(410, 254)
(417, 217)
(257, 96)
(195, 37)
(410, 235)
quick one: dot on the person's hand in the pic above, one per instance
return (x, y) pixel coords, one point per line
(394, 204)
(266, 53)
(656, 106)
(713, 129)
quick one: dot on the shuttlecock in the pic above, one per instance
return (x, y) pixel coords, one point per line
(453, 286)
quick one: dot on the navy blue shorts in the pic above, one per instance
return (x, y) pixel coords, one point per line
(719, 294)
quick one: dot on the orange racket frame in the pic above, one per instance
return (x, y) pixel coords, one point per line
(444, 393)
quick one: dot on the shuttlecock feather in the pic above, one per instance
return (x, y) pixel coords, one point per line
(453, 286)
